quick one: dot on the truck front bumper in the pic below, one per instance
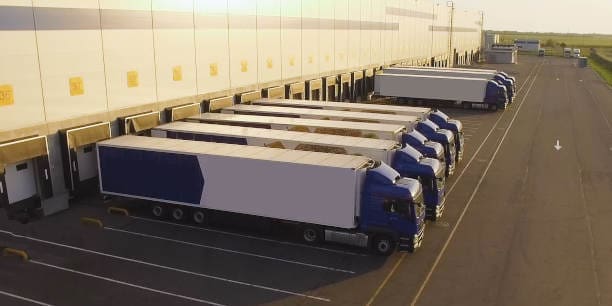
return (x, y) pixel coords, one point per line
(411, 244)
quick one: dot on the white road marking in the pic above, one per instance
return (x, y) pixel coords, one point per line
(165, 267)
(108, 279)
(472, 196)
(249, 236)
(229, 251)
(19, 297)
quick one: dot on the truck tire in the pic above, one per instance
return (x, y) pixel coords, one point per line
(158, 211)
(178, 214)
(383, 245)
(311, 234)
(493, 107)
(199, 217)
(466, 105)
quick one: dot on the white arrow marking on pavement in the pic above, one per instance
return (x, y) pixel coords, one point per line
(557, 146)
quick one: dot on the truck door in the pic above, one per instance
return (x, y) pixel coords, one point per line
(398, 214)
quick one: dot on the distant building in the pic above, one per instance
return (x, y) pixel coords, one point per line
(527, 44)
(490, 39)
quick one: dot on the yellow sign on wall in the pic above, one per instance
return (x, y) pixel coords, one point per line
(292, 61)
(7, 97)
(132, 79)
(214, 70)
(177, 73)
(310, 59)
(269, 63)
(77, 88)
(244, 66)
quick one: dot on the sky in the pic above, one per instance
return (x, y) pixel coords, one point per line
(560, 16)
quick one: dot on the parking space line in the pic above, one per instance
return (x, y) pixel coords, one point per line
(250, 237)
(19, 297)
(231, 251)
(472, 196)
(218, 278)
(124, 283)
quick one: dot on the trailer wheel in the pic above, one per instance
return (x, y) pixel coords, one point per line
(178, 214)
(466, 105)
(311, 234)
(199, 217)
(383, 245)
(158, 211)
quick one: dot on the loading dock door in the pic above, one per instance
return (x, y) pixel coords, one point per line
(20, 181)
(25, 177)
(79, 156)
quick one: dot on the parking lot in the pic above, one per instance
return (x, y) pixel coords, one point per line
(524, 224)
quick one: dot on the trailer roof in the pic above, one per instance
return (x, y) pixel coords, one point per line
(362, 126)
(358, 106)
(279, 110)
(238, 151)
(428, 76)
(304, 137)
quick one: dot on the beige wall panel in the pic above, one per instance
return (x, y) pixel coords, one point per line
(212, 46)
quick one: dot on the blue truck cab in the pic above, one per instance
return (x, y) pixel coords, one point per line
(425, 146)
(392, 211)
(442, 136)
(409, 162)
(453, 125)
(496, 96)
(509, 84)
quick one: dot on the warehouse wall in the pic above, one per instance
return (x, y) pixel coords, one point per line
(66, 63)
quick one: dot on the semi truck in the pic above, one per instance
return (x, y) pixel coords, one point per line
(407, 161)
(506, 75)
(328, 197)
(495, 76)
(394, 132)
(427, 127)
(422, 113)
(467, 92)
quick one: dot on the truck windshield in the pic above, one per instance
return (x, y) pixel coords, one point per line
(418, 136)
(419, 208)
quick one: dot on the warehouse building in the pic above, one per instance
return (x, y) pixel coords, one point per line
(529, 45)
(76, 72)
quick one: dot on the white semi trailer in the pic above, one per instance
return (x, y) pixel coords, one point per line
(328, 197)
(422, 113)
(468, 92)
(491, 75)
(407, 161)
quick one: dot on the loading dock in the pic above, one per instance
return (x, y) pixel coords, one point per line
(358, 86)
(314, 90)
(368, 83)
(183, 111)
(345, 88)
(295, 91)
(139, 124)
(216, 104)
(246, 97)
(25, 177)
(276, 92)
(330, 84)
(79, 157)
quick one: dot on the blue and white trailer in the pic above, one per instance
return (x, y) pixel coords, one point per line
(500, 78)
(407, 161)
(394, 132)
(423, 113)
(442, 136)
(506, 75)
(467, 92)
(329, 197)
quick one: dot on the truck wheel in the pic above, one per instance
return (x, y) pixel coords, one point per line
(311, 234)
(158, 211)
(383, 245)
(492, 107)
(178, 214)
(199, 217)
